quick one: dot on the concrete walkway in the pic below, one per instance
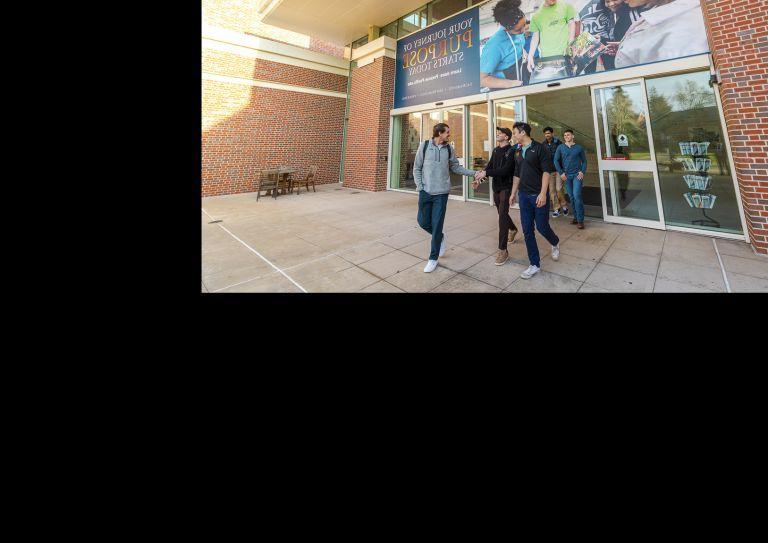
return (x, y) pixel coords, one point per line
(343, 240)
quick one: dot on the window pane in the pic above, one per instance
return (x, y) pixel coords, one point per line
(440, 9)
(359, 43)
(389, 30)
(621, 109)
(412, 22)
(479, 143)
(406, 139)
(631, 194)
(697, 188)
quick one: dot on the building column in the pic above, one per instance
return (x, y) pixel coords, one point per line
(737, 32)
(371, 97)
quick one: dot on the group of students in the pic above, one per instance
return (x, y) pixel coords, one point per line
(632, 31)
(522, 171)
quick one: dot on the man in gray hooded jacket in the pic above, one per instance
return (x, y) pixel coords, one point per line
(432, 171)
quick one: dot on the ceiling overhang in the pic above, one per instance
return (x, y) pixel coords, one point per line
(336, 21)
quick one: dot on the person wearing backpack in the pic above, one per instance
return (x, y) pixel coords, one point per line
(501, 168)
(432, 172)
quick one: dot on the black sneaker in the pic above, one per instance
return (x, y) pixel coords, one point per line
(565, 211)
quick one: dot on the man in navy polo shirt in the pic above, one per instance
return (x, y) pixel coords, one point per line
(533, 165)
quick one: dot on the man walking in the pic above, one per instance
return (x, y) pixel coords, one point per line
(557, 196)
(501, 168)
(432, 172)
(530, 184)
(571, 164)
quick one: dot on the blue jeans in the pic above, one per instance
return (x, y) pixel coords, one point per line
(530, 214)
(573, 186)
(431, 216)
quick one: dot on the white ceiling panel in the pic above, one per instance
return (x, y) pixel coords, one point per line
(338, 21)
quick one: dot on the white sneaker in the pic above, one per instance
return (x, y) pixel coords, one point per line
(430, 267)
(530, 272)
(555, 253)
(442, 247)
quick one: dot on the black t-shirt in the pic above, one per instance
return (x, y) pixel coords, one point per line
(501, 167)
(531, 169)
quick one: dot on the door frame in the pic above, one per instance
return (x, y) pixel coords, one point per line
(492, 124)
(647, 166)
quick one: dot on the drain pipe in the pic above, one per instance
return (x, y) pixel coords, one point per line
(346, 120)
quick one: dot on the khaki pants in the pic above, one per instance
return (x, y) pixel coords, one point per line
(557, 196)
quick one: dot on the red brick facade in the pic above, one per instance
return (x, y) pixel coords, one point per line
(738, 36)
(371, 98)
(247, 128)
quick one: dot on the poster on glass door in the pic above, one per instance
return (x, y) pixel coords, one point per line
(503, 44)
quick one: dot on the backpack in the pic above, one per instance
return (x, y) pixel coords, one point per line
(424, 151)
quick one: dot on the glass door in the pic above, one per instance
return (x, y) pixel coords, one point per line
(629, 182)
(507, 112)
(454, 118)
(480, 146)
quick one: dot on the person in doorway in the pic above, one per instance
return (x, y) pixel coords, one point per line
(670, 29)
(556, 194)
(553, 27)
(571, 164)
(432, 171)
(501, 62)
(530, 184)
(501, 168)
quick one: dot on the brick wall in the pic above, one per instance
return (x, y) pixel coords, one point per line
(270, 128)
(738, 34)
(225, 63)
(371, 97)
(247, 129)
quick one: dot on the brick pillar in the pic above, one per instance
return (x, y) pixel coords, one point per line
(738, 36)
(371, 97)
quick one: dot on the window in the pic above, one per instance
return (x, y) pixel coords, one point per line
(389, 30)
(441, 9)
(412, 22)
(695, 177)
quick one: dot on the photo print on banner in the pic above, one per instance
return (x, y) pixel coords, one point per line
(503, 44)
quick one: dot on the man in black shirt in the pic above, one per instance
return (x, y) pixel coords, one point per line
(501, 167)
(530, 183)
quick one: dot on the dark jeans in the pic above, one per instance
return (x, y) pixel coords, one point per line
(574, 186)
(530, 214)
(431, 216)
(501, 201)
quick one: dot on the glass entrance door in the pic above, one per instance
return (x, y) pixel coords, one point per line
(629, 182)
(454, 118)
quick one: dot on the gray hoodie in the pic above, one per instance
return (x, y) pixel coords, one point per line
(433, 173)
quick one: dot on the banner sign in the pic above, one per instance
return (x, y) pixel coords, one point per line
(504, 44)
(440, 62)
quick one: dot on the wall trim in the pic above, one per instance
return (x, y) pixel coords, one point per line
(380, 47)
(270, 85)
(221, 39)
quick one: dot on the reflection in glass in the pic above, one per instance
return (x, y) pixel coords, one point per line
(440, 9)
(697, 188)
(454, 118)
(406, 136)
(631, 195)
(621, 121)
(412, 22)
(479, 142)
